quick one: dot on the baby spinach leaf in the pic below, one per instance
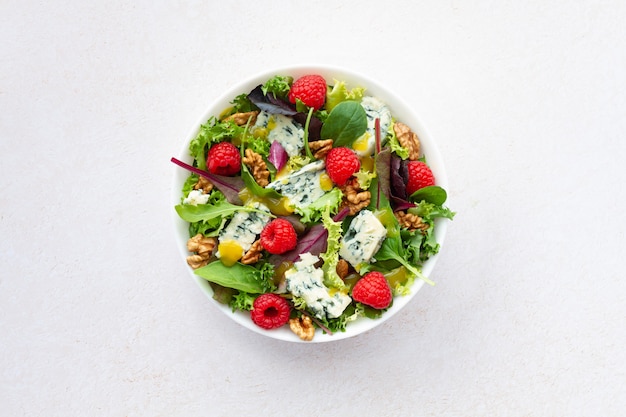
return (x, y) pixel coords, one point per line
(238, 276)
(431, 194)
(345, 123)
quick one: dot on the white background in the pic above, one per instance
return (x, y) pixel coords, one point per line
(100, 317)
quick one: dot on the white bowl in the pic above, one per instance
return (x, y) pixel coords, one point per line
(399, 109)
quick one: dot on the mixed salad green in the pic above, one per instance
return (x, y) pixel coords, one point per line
(225, 213)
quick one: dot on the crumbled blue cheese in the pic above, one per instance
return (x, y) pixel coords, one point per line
(301, 187)
(285, 130)
(245, 226)
(363, 239)
(374, 109)
(196, 197)
(306, 281)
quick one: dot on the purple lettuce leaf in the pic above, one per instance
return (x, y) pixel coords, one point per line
(399, 177)
(315, 125)
(271, 104)
(314, 241)
(229, 186)
(278, 155)
(276, 105)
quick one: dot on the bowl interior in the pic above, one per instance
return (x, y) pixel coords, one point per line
(399, 109)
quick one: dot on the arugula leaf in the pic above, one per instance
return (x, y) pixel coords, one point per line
(255, 188)
(392, 249)
(345, 123)
(240, 277)
(191, 213)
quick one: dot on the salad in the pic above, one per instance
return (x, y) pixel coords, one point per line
(309, 205)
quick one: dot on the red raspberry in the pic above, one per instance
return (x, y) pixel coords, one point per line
(278, 236)
(341, 163)
(270, 311)
(420, 176)
(373, 290)
(309, 89)
(224, 159)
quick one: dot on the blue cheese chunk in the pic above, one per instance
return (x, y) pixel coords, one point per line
(301, 187)
(196, 197)
(285, 130)
(245, 226)
(306, 281)
(363, 239)
(374, 109)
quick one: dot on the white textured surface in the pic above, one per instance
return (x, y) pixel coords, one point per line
(98, 315)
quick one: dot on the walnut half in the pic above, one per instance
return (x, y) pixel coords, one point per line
(258, 167)
(354, 197)
(240, 119)
(203, 248)
(302, 327)
(408, 140)
(411, 221)
(321, 147)
(254, 254)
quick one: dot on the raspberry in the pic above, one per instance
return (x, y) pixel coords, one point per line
(309, 89)
(341, 163)
(270, 311)
(278, 236)
(373, 290)
(420, 176)
(224, 159)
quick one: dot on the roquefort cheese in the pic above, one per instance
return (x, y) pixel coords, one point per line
(306, 281)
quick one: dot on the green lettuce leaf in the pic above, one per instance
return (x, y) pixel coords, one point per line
(340, 92)
(213, 131)
(394, 144)
(313, 212)
(242, 301)
(278, 85)
(331, 256)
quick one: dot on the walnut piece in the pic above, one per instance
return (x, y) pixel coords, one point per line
(411, 221)
(258, 166)
(408, 140)
(342, 268)
(203, 248)
(354, 197)
(203, 184)
(253, 255)
(321, 147)
(241, 119)
(302, 327)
